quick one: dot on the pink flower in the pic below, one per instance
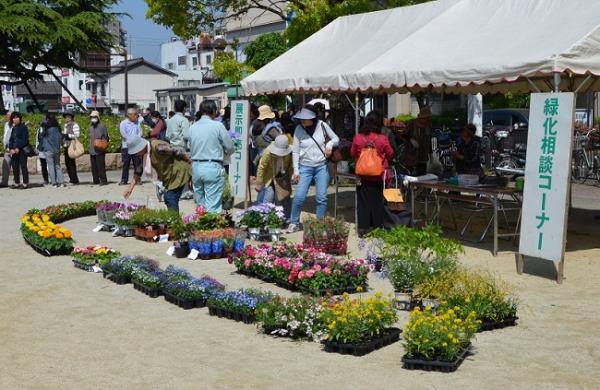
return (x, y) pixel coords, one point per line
(300, 275)
(250, 251)
(310, 273)
(247, 263)
(200, 210)
(327, 271)
(317, 267)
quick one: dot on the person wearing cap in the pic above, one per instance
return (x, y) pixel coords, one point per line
(129, 128)
(97, 131)
(467, 156)
(274, 173)
(171, 164)
(71, 132)
(177, 127)
(264, 131)
(314, 141)
(209, 144)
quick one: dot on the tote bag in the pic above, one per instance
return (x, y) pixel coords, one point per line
(369, 162)
(75, 149)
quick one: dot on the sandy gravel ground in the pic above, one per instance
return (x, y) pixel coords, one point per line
(64, 328)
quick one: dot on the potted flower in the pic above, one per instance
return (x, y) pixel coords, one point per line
(358, 326)
(237, 305)
(296, 317)
(438, 341)
(191, 293)
(45, 236)
(180, 234)
(147, 281)
(328, 235)
(86, 258)
(265, 217)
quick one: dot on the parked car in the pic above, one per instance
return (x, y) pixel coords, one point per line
(504, 131)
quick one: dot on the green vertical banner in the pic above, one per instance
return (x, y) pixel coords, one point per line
(547, 175)
(238, 168)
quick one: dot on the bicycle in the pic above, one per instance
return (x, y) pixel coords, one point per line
(585, 164)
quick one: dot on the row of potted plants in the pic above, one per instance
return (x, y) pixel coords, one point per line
(308, 270)
(64, 212)
(328, 235)
(86, 258)
(44, 236)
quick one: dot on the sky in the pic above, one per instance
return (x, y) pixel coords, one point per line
(144, 36)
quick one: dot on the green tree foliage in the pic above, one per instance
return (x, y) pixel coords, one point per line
(265, 49)
(226, 67)
(39, 35)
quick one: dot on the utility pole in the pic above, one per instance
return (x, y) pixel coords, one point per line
(126, 84)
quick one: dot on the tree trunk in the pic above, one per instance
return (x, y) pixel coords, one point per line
(37, 103)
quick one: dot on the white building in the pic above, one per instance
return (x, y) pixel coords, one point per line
(190, 59)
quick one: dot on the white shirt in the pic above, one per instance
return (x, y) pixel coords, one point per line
(7, 133)
(309, 151)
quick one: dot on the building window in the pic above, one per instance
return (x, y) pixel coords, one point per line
(170, 66)
(194, 61)
(208, 59)
(103, 89)
(66, 81)
(181, 60)
(80, 85)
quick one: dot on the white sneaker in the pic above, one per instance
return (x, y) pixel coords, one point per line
(292, 228)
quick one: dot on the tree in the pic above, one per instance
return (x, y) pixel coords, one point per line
(265, 49)
(188, 17)
(226, 67)
(38, 36)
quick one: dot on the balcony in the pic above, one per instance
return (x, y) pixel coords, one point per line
(96, 62)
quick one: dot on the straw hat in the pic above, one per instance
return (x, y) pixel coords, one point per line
(95, 114)
(265, 112)
(281, 146)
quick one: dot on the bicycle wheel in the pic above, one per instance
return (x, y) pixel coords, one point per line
(579, 169)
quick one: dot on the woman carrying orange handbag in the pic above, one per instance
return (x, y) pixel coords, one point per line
(371, 150)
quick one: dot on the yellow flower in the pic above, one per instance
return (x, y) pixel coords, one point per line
(359, 289)
(444, 344)
(45, 218)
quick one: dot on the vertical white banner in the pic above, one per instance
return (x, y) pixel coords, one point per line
(547, 175)
(238, 168)
(475, 103)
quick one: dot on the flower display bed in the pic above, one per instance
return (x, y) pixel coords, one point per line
(328, 235)
(435, 365)
(389, 336)
(185, 303)
(237, 305)
(47, 252)
(119, 279)
(152, 292)
(295, 268)
(83, 266)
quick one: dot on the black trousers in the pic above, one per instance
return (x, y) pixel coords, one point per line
(71, 168)
(44, 169)
(371, 213)
(20, 161)
(127, 160)
(99, 168)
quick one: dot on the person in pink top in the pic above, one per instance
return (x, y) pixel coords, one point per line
(369, 190)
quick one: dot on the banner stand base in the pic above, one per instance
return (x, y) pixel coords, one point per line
(560, 269)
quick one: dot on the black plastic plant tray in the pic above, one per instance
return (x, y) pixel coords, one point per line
(435, 365)
(232, 315)
(391, 335)
(330, 291)
(83, 266)
(120, 279)
(152, 292)
(47, 252)
(185, 304)
(492, 325)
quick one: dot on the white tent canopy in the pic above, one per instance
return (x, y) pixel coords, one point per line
(461, 46)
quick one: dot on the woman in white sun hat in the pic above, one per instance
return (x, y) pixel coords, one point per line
(314, 141)
(274, 173)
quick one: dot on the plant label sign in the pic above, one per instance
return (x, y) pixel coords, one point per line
(547, 176)
(163, 238)
(171, 251)
(98, 228)
(238, 168)
(193, 254)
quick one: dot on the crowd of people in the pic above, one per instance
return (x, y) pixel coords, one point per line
(192, 154)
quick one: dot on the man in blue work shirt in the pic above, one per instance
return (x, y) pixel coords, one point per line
(209, 143)
(129, 128)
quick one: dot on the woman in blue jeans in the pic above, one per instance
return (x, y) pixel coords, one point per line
(313, 142)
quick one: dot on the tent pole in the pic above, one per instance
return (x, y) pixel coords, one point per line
(535, 88)
(356, 128)
(556, 82)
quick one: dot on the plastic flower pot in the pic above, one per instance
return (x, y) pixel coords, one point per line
(404, 300)
(182, 250)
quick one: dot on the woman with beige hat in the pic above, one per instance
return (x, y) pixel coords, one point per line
(274, 173)
(97, 147)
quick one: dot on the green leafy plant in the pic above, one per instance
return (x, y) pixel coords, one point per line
(480, 292)
(442, 336)
(296, 317)
(151, 217)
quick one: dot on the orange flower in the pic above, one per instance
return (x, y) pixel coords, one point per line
(68, 234)
(58, 234)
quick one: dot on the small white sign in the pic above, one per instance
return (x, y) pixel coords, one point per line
(98, 228)
(96, 269)
(547, 175)
(193, 254)
(171, 251)
(163, 238)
